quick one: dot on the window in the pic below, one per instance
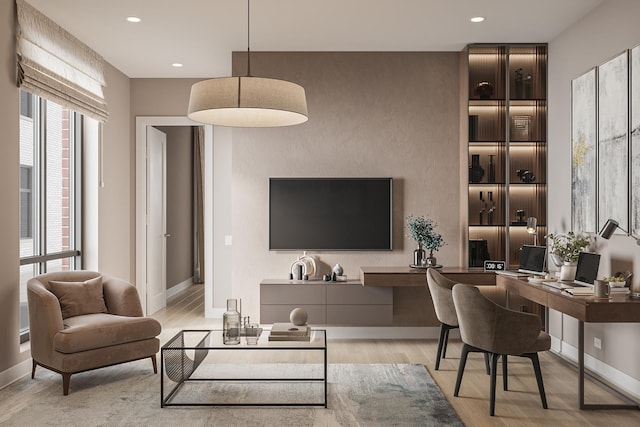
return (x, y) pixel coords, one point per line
(50, 190)
(26, 202)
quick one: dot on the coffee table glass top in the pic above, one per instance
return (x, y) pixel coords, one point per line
(212, 338)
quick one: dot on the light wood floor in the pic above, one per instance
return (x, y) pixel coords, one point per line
(520, 406)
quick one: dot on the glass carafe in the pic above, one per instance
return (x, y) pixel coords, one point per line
(231, 323)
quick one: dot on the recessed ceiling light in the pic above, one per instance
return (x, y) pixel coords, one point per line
(477, 19)
(177, 65)
(133, 19)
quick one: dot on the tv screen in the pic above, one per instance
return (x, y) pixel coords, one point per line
(346, 214)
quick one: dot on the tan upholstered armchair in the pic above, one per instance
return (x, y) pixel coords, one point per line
(499, 331)
(82, 320)
(440, 288)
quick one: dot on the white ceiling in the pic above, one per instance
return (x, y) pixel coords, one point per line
(202, 33)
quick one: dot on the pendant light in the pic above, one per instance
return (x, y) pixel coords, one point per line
(247, 101)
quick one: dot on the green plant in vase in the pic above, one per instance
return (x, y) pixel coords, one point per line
(565, 250)
(423, 231)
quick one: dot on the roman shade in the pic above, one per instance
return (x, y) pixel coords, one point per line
(57, 66)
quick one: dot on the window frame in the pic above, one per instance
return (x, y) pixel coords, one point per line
(39, 192)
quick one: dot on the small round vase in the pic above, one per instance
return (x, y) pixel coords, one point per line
(568, 271)
(432, 261)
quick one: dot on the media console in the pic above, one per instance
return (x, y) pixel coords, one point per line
(383, 296)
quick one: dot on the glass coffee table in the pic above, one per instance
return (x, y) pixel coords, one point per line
(197, 369)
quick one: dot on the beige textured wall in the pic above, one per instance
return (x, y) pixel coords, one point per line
(9, 165)
(371, 115)
(116, 244)
(606, 31)
(179, 204)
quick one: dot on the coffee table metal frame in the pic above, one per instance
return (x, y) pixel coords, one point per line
(178, 366)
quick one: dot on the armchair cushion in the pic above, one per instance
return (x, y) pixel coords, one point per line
(99, 330)
(78, 298)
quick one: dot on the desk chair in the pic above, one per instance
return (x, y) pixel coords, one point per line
(440, 289)
(486, 326)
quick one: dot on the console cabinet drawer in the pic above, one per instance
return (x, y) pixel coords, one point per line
(280, 313)
(359, 295)
(293, 294)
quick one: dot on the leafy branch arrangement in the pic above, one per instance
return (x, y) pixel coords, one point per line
(422, 230)
(568, 246)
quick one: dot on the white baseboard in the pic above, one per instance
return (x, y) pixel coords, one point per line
(174, 290)
(624, 382)
(14, 373)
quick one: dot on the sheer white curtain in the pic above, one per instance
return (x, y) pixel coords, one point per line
(57, 66)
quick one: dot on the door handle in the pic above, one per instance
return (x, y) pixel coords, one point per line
(167, 235)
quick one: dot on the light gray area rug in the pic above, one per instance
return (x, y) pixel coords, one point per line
(129, 395)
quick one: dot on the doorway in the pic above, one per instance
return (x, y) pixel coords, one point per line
(146, 280)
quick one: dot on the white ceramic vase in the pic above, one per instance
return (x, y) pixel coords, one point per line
(568, 271)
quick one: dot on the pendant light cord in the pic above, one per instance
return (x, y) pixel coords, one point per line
(248, 39)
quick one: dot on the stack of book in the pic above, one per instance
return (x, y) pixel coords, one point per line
(289, 332)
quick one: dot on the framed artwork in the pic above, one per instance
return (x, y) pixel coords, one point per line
(613, 141)
(635, 142)
(583, 152)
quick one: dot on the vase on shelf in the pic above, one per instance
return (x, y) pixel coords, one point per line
(475, 170)
(568, 271)
(418, 255)
(492, 169)
(231, 323)
(484, 90)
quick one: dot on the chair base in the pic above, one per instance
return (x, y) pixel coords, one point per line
(493, 357)
(66, 376)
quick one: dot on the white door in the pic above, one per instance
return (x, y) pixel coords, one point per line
(156, 220)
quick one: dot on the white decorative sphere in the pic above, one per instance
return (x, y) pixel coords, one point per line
(298, 316)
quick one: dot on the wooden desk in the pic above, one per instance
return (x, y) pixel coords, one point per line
(407, 276)
(619, 308)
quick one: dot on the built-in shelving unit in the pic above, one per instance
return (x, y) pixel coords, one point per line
(507, 146)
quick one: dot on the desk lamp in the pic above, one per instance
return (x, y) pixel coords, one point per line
(610, 226)
(532, 228)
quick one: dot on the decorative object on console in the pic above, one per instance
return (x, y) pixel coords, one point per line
(247, 101)
(337, 270)
(484, 90)
(476, 172)
(525, 176)
(305, 265)
(299, 316)
(231, 323)
(422, 230)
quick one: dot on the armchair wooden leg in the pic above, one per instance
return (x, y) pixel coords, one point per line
(66, 379)
(504, 372)
(463, 361)
(538, 372)
(155, 364)
(492, 398)
(33, 368)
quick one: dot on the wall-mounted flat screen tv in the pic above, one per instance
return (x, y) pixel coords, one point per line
(342, 214)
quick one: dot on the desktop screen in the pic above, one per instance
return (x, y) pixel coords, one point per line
(532, 259)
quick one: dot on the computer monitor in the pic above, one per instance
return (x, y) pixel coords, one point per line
(533, 259)
(587, 269)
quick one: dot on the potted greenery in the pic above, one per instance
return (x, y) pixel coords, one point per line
(565, 249)
(422, 230)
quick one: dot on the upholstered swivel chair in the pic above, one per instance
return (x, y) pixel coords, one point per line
(82, 320)
(499, 331)
(440, 288)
